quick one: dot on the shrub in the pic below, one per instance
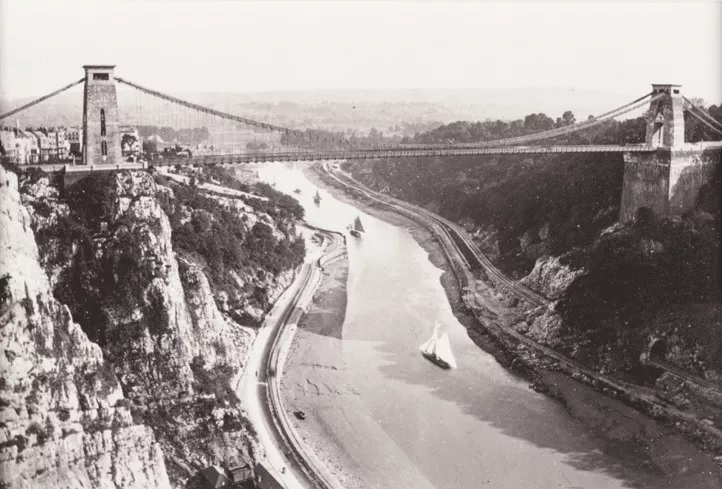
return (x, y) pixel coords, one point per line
(64, 415)
(34, 429)
(124, 403)
(5, 288)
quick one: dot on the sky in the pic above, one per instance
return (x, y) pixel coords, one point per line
(235, 46)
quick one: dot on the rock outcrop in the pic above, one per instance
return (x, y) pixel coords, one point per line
(65, 422)
(550, 277)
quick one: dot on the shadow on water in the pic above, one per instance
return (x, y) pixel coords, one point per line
(584, 451)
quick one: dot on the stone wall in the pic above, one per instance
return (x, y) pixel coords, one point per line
(646, 180)
(688, 172)
(666, 181)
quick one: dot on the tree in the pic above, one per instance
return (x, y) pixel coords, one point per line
(4, 288)
(375, 134)
(538, 122)
(127, 142)
(567, 119)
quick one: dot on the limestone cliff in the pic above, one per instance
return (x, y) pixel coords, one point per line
(64, 420)
(550, 277)
(164, 328)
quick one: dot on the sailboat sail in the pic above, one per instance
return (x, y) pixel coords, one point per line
(438, 347)
(443, 350)
(357, 225)
(317, 196)
(427, 346)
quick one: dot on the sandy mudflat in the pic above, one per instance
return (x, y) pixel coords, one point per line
(338, 427)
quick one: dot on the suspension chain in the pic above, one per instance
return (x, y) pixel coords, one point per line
(559, 131)
(207, 110)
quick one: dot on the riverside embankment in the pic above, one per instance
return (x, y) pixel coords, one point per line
(665, 451)
(260, 386)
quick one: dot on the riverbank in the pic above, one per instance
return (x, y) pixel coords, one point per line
(609, 418)
(260, 385)
(337, 427)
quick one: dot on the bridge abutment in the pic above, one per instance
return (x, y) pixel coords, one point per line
(667, 180)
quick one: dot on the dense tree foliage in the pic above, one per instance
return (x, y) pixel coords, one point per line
(219, 236)
(629, 131)
(694, 130)
(650, 268)
(570, 197)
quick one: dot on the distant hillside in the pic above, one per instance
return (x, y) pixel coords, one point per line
(338, 109)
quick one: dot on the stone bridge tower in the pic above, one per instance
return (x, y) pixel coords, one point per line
(101, 140)
(667, 180)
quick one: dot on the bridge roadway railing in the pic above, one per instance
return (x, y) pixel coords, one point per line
(400, 153)
(409, 151)
(406, 151)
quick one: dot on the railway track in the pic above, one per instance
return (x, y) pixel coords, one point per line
(684, 375)
(458, 235)
(271, 372)
(463, 242)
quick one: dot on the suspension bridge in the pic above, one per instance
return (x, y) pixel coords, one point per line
(663, 173)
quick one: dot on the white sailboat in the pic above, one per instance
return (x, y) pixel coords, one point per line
(357, 228)
(438, 348)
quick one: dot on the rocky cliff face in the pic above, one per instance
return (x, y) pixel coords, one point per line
(550, 277)
(140, 392)
(65, 422)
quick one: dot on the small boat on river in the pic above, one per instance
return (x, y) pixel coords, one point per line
(297, 191)
(356, 228)
(438, 348)
(317, 198)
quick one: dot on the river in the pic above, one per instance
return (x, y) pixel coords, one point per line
(397, 420)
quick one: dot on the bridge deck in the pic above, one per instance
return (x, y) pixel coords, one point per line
(400, 152)
(411, 153)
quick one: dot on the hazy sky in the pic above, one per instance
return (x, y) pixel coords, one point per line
(244, 46)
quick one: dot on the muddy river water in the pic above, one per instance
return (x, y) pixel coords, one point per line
(390, 418)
